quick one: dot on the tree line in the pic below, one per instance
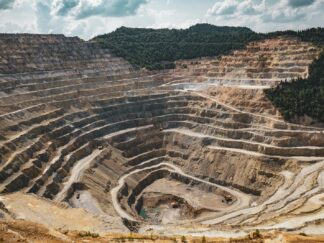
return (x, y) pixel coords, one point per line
(159, 48)
(301, 96)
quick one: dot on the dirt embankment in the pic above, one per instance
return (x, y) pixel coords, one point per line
(26, 231)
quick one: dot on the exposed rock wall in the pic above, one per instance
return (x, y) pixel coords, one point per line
(38, 53)
(271, 60)
(79, 125)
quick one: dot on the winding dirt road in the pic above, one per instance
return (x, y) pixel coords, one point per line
(243, 200)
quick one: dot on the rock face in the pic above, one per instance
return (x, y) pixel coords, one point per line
(38, 53)
(80, 126)
(268, 61)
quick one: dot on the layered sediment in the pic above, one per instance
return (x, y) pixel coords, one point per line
(81, 127)
(261, 63)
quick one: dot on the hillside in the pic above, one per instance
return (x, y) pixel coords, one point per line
(43, 53)
(159, 48)
(162, 48)
(263, 62)
(301, 96)
(313, 35)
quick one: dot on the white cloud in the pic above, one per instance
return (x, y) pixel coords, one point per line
(48, 20)
(9, 27)
(87, 8)
(87, 18)
(269, 14)
(235, 7)
(159, 15)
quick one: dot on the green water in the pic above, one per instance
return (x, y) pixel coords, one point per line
(143, 213)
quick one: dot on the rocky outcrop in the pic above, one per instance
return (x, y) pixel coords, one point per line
(81, 126)
(261, 63)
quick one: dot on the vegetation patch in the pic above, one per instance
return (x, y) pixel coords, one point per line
(88, 234)
(159, 48)
(301, 97)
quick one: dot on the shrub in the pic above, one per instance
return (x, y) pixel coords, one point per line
(88, 234)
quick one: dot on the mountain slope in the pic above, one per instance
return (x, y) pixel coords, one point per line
(302, 96)
(157, 49)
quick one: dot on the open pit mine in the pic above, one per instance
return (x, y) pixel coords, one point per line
(90, 144)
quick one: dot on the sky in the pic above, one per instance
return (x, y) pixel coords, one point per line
(89, 18)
